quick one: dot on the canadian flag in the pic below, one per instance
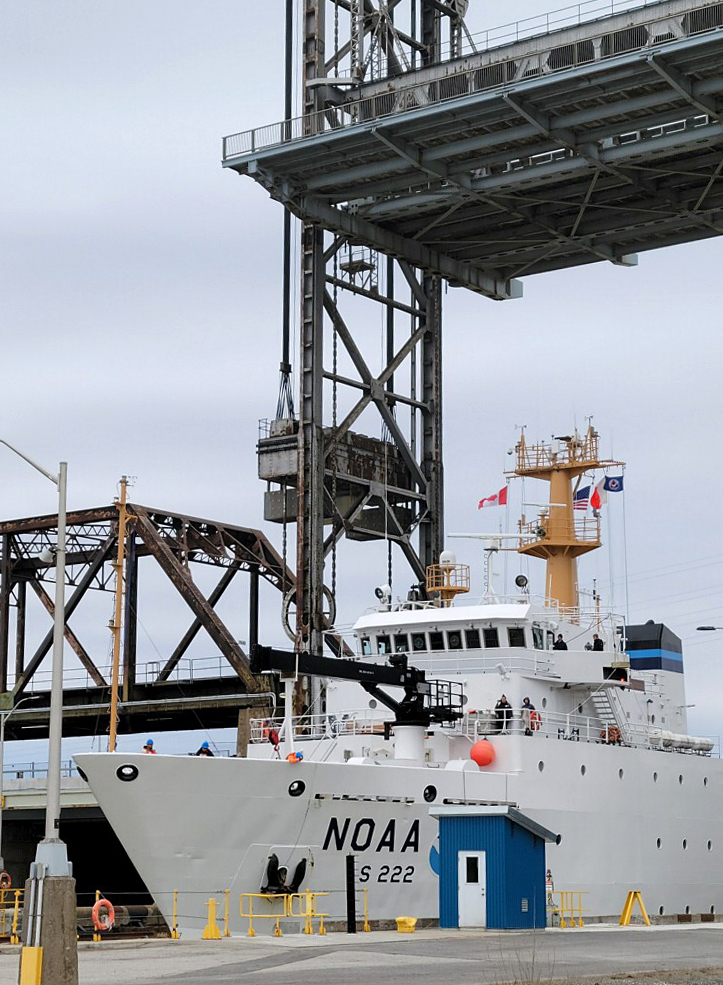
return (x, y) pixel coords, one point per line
(498, 499)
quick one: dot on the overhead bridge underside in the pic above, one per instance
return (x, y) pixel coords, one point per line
(490, 173)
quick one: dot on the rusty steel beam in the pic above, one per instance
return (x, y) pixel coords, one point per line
(180, 577)
(196, 626)
(70, 606)
(70, 636)
(20, 629)
(6, 587)
(130, 621)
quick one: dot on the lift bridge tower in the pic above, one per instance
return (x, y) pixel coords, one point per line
(423, 154)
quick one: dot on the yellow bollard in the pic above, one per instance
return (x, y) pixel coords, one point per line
(226, 931)
(211, 931)
(174, 929)
(308, 926)
(14, 935)
(367, 928)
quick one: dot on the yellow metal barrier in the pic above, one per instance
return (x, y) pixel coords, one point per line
(10, 900)
(305, 909)
(174, 929)
(226, 931)
(630, 899)
(570, 903)
(367, 928)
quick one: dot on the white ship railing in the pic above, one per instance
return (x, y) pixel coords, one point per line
(312, 727)
(587, 728)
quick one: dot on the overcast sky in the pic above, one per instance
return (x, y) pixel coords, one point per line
(141, 294)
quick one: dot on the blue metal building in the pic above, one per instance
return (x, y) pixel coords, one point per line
(492, 868)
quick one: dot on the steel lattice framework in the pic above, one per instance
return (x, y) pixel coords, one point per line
(176, 543)
(590, 141)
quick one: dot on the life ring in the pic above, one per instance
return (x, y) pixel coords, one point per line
(106, 921)
(535, 720)
(611, 734)
(5, 880)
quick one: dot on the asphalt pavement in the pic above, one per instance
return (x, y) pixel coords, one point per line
(659, 955)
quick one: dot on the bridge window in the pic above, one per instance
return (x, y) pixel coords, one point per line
(419, 641)
(491, 638)
(472, 639)
(383, 645)
(401, 643)
(436, 641)
(538, 639)
(550, 639)
(366, 646)
(516, 636)
(454, 640)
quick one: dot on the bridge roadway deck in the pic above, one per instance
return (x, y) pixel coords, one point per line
(555, 165)
(591, 955)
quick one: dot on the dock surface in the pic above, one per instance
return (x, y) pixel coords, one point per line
(691, 954)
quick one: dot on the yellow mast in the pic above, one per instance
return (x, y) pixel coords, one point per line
(116, 624)
(557, 536)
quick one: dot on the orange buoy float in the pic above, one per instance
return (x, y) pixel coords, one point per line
(103, 921)
(482, 752)
(294, 757)
(535, 720)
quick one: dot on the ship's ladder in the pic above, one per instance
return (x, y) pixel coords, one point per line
(608, 712)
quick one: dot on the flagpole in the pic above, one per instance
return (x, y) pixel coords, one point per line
(625, 559)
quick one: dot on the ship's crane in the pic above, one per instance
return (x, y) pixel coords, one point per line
(424, 701)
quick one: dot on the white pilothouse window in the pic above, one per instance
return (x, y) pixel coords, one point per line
(366, 645)
(472, 639)
(436, 641)
(419, 641)
(538, 638)
(401, 643)
(516, 636)
(454, 640)
(491, 638)
(384, 645)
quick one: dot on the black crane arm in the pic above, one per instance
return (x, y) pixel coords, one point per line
(424, 701)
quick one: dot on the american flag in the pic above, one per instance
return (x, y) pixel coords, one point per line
(581, 498)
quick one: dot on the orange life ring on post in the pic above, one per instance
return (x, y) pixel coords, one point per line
(611, 734)
(106, 921)
(535, 720)
(5, 880)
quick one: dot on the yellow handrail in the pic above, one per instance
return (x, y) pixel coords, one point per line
(570, 903)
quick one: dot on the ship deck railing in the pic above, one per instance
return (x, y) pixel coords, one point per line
(492, 75)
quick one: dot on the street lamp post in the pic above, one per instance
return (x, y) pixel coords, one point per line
(51, 851)
(50, 947)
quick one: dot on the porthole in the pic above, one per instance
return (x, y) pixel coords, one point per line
(583, 769)
(687, 909)
(652, 719)
(705, 781)
(544, 702)
(661, 910)
(658, 843)
(81, 774)
(710, 846)
(680, 779)
(296, 788)
(712, 909)
(127, 773)
(430, 793)
(621, 774)
(540, 766)
(579, 709)
(372, 704)
(685, 843)
(655, 777)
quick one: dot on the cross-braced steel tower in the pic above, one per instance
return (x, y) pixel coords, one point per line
(335, 480)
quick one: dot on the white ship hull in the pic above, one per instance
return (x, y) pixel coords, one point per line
(625, 817)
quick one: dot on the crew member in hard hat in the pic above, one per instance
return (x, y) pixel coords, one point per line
(205, 750)
(148, 747)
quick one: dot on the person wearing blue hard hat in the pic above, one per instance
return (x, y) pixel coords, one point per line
(205, 750)
(148, 747)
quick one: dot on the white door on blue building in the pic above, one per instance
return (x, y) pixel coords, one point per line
(472, 889)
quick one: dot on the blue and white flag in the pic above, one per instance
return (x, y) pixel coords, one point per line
(613, 483)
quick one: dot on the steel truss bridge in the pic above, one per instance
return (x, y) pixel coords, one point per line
(421, 157)
(175, 543)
